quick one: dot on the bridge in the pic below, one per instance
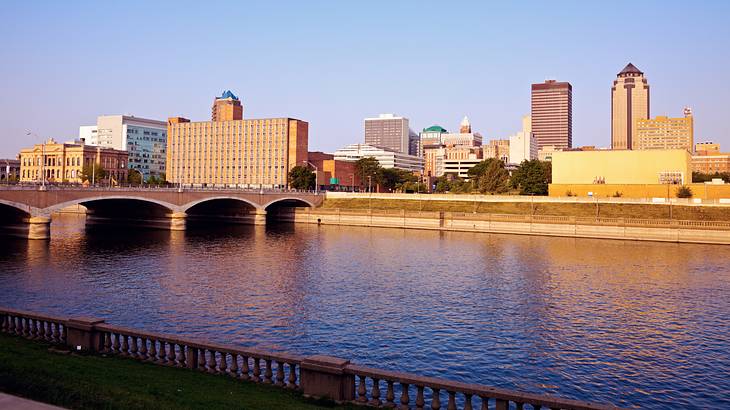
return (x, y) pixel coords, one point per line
(27, 210)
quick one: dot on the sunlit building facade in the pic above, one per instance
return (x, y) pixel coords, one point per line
(64, 163)
(665, 133)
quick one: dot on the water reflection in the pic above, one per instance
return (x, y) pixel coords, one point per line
(646, 323)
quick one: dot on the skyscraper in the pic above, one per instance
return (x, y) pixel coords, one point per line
(629, 102)
(388, 131)
(227, 107)
(552, 114)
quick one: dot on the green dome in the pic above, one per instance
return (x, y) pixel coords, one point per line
(435, 128)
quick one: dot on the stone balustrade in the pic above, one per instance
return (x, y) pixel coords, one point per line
(315, 376)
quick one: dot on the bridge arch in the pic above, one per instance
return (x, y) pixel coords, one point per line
(226, 198)
(288, 202)
(89, 202)
(15, 206)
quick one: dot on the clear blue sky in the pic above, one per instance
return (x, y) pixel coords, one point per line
(335, 63)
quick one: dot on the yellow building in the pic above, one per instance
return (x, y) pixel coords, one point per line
(629, 102)
(622, 167)
(230, 151)
(665, 133)
(707, 148)
(64, 162)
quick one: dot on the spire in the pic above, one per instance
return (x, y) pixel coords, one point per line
(228, 94)
(630, 71)
(465, 126)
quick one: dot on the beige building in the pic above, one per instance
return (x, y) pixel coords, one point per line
(707, 147)
(231, 151)
(64, 163)
(546, 153)
(552, 114)
(665, 133)
(708, 159)
(629, 103)
(497, 149)
(622, 167)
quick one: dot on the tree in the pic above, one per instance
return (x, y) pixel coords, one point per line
(532, 177)
(301, 177)
(134, 178)
(490, 176)
(368, 167)
(93, 173)
(684, 192)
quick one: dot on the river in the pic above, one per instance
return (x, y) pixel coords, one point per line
(630, 323)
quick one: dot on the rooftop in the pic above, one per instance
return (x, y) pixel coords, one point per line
(630, 69)
(227, 94)
(435, 128)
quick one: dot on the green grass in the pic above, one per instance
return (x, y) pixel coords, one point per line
(649, 211)
(29, 369)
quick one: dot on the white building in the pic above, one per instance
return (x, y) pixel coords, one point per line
(388, 131)
(460, 167)
(523, 145)
(145, 140)
(386, 158)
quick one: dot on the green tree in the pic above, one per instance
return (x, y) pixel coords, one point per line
(532, 177)
(368, 167)
(93, 173)
(490, 176)
(134, 178)
(684, 192)
(301, 177)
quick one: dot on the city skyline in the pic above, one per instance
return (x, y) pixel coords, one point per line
(58, 73)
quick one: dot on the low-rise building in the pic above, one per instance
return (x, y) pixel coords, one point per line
(546, 153)
(711, 163)
(64, 163)
(497, 149)
(460, 167)
(9, 170)
(387, 158)
(336, 174)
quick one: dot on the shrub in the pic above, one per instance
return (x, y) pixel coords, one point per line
(570, 193)
(684, 192)
(617, 194)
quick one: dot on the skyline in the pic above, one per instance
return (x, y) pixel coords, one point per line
(475, 60)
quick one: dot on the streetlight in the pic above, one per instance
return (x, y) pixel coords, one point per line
(316, 177)
(141, 176)
(43, 159)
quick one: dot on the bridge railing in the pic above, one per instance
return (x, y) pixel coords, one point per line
(318, 376)
(149, 188)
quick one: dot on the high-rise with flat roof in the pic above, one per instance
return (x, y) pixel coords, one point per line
(552, 114)
(629, 103)
(389, 132)
(235, 152)
(665, 133)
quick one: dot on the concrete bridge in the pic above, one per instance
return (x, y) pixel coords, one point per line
(28, 209)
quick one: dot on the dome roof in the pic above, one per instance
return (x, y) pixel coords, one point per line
(435, 128)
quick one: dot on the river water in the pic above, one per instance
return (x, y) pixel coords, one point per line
(630, 323)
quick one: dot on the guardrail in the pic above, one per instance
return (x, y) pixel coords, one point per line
(316, 376)
(152, 188)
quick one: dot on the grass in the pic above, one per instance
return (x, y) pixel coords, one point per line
(610, 210)
(28, 369)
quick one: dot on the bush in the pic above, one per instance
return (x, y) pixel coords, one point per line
(684, 192)
(617, 194)
(570, 193)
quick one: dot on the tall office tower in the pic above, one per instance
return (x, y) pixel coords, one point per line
(242, 153)
(388, 131)
(465, 126)
(629, 102)
(552, 114)
(227, 107)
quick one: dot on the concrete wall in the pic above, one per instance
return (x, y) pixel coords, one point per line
(699, 191)
(605, 228)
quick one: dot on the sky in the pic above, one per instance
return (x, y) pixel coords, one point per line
(334, 63)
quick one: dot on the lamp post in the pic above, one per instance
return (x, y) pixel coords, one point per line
(141, 176)
(316, 177)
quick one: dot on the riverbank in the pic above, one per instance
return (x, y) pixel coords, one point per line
(33, 370)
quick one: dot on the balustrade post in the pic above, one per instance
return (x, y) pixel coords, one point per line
(362, 390)
(81, 334)
(212, 362)
(404, 398)
(233, 370)
(501, 404)
(420, 400)
(435, 400)
(201, 360)
(171, 355)
(268, 373)
(389, 394)
(256, 369)
(244, 368)
(181, 356)
(452, 401)
(223, 368)
(324, 376)
(292, 382)
(152, 355)
(485, 402)
(125, 345)
(279, 373)
(116, 345)
(192, 360)
(49, 332)
(375, 393)
(467, 402)
(41, 330)
(133, 347)
(11, 325)
(143, 349)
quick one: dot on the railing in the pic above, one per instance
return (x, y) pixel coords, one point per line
(430, 392)
(151, 188)
(245, 364)
(347, 383)
(33, 326)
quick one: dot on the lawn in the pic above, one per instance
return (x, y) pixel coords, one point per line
(29, 369)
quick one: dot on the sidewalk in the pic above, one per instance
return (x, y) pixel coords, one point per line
(16, 403)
